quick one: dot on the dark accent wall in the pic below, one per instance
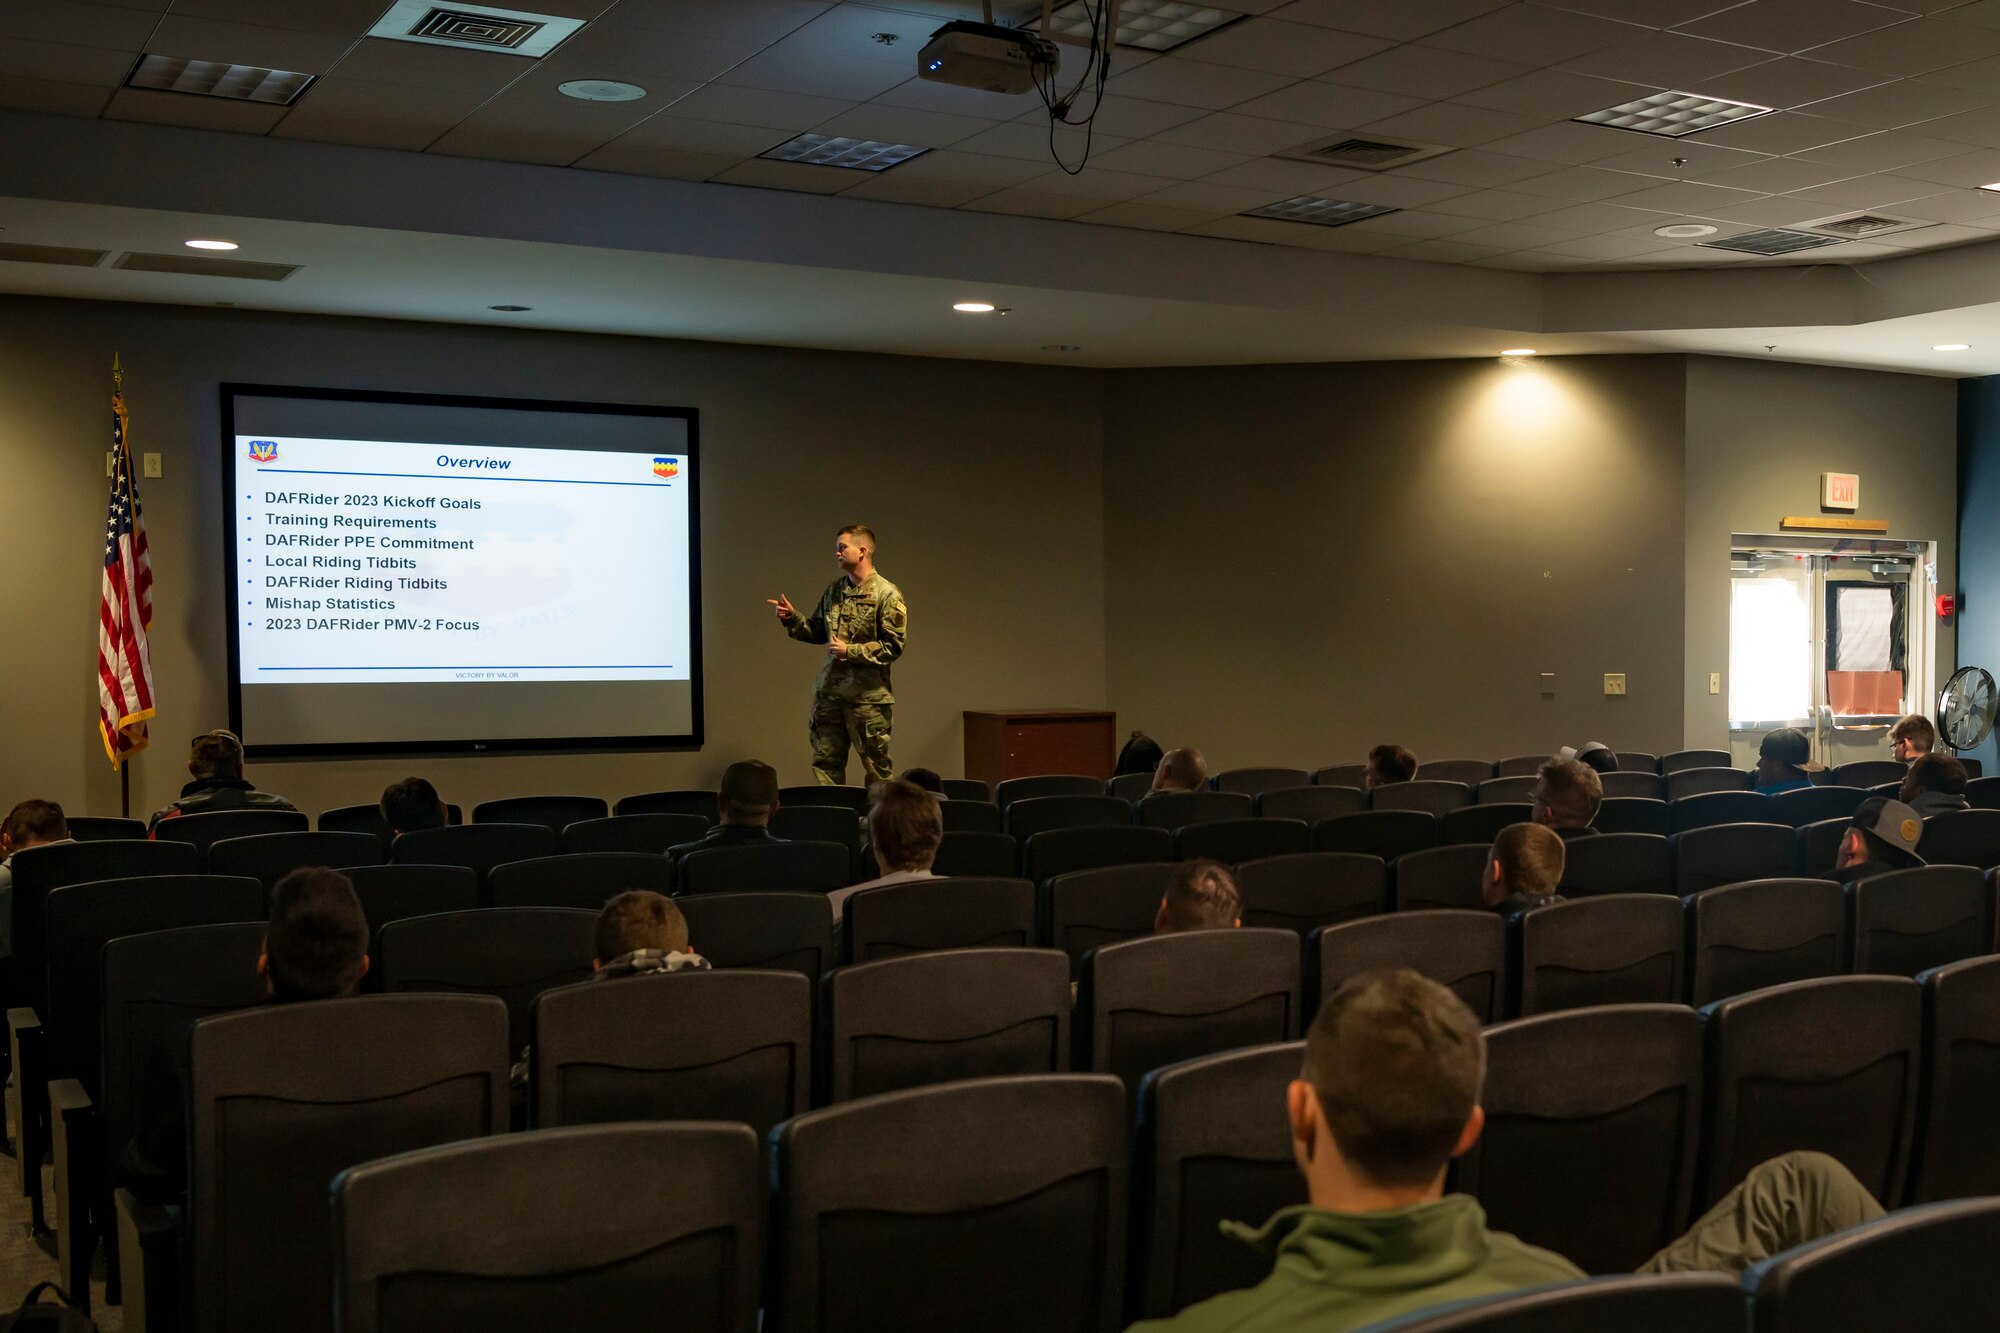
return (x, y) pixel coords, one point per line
(1979, 535)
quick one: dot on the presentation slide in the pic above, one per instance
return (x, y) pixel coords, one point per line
(425, 574)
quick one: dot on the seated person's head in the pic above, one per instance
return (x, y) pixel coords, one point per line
(1782, 756)
(1181, 770)
(1526, 859)
(1389, 1093)
(1387, 764)
(316, 946)
(1883, 831)
(215, 754)
(1934, 772)
(412, 804)
(1913, 737)
(30, 824)
(925, 778)
(1202, 895)
(905, 826)
(639, 919)
(1567, 794)
(1595, 756)
(748, 794)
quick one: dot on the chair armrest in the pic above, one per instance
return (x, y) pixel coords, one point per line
(148, 1255)
(74, 1129)
(27, 1046)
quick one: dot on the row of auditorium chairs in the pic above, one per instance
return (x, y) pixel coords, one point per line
(1030, 1201)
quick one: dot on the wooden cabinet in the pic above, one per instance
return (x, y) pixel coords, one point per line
(1028, 744)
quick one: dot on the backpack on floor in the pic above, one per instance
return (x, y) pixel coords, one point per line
(59, 1315)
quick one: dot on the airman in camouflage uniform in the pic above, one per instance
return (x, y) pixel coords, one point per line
(862, 620)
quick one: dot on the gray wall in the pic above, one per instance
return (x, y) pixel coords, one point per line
(1759, 433)
(1304, 560)
(990, 522)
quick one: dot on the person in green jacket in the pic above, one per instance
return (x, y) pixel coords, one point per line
(1388, 1096)
(863, 623)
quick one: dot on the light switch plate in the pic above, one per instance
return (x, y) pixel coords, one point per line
(1548, 682)
(1715, 682)
(152, 462)
(1614, 682)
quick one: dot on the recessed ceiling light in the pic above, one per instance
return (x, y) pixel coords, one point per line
(1680, 230)
(973, 307)
(209, 245)
(601, 90)
(208, 78)
(1517, 351)
(1320, 212)
(510, 309)
(822, 150)
(1674, 114)
(1951, 347)
(1152, 25)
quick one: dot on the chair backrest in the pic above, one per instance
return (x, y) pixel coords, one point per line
(1149, 1002)
(966, 789)
(1471, 772)
(391, 893)
(1973, 768)
(1253, 781)
(818, 823)
(1520, 766)
(1626, 948)
(970, 816)
(1673, 1303)
(939, 1017)
(268, 1132)
(769, 867)
(1127, 786)
(1686, 759)
(40, 871)
(1340, 775)
(1962, 838)
(1984, 793)
(1816, 847)
(632, 833)
(1638, 761)
(1730, 854)
(104, 828)
(1062, 850)
(1023, 789)
(1909, 921)
(1647, 785)
(1591, 1119)
(554, 813)
(1514, 789)
(1764, 932)
(1481, 823)
(1829, 1065)
(733, 1045)
(987, 1206)
(1870, 773)
(1213, 1146)
(1685, 782)
(1439, 877)
(1954, 1155)
(1083, 909)
(1632, 814)
(1177, 809)
(1466, 951)
(1617, 863)
(1432, 798)
(965, 912)
(1026, 817)
(854, 799)
(479, 846)
(1384, 833)
(1312, 889)
(1311, 804)
(964, 852)
(269, 857)
(1915, 1269)
(1233, 841)
(418, 1248)
(510, 953)
(681, 801)
(358, 819)
(776, 931)
(586, 880)
(1723, 807)
(204, 830)
(1809, 805)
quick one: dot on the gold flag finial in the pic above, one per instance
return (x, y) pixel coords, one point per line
(117, 375)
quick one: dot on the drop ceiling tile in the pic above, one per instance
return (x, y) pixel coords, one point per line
(1790, 81)
(1352, 240)
(1149, 217)
(1585, 184)
(1667, 60)
(1514, 235)
(662, 135)
(1023, 202)
(1443, 252)
(1982, 73)
(1984, 13)
(896, 188)
(1931, 238)
(1473, 167)
(420, 65)
(1095, 182)
(761, 21)
(1264, 231)
(252, 44)
(1430, 72)
(1916, 47)
(927, 96)
(1892, 150)
(1530, 261)
(788, 176)
(1654, 156)
(375, 115)
(1965, 170)
(336, 18)
(1211, 197)
(1881, 191)
(662, 164)
(1450, 123)
(1598, 219)
(757, 106)
(1972, 207)
(1775, 175)
(1889, 106)
(1277, 47)
(1647, 13)
(64, 99)
(1399, 191)
(624, 51)
(1793, 25)
(1192, 83)
(198, 113)
(1534, 36)
(1686, 197)
(78, 24)
(901, 124)
(1228, 132)
(1398, 19)
(1126, 117)
(1574, 144)
(1496, 205)
(1156, 158)
(1782, 132)
(1979, 128)
(1554, 94)
(64, 62)
(526, 129)
(1779, 210)
(1327, 104)
(1285, 180)
(1605, 247)
(951, 164)
(1031, 143)
(797, 70)
(1419, 224)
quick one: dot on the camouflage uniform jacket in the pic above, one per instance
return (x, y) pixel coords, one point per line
(871, 618)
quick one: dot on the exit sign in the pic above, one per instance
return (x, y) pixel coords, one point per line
(1839, 490)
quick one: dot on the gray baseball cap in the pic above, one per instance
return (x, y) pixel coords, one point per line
(1891, 821)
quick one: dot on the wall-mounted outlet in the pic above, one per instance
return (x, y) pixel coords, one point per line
(152, 464)
(1715, 682)
(1614, 682)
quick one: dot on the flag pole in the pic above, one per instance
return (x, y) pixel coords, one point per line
(124, 768)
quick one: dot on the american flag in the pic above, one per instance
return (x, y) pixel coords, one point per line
(124, 664)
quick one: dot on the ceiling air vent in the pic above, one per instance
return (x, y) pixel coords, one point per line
(1861, 226)
(50, 254)
(475, 27)
(1775, 241)
(200, 267)
(1362, 154)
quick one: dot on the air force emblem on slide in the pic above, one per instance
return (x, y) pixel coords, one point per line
(666, 467)
(264, 451)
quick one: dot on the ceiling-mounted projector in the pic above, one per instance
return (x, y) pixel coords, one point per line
(986, 56)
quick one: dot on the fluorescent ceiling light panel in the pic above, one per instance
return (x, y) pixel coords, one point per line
(1151, 25)
(208, 78)
(475, 27)
(1674, 114)
(821, 150)
(1319, 212)
(1775, 241)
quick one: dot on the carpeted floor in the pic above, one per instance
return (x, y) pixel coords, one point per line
(25, 1261)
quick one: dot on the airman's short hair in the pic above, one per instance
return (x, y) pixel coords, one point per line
(1571, 790)
(905, 825)
(749, 790)
(216, 754)
(35, 821)
(640, 919)
(1391, 763)
(927, 778)
(1530, 856)
(1202, 895)
(861, 530)
(316, 944)
(412, 804)
(1186, 768)
(1917, 730)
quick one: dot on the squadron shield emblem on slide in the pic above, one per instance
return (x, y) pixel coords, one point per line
(264, 451)
(666, 467)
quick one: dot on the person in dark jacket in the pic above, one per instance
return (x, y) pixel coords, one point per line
(1567, 796)
(1882, 836)
(1524, 868)
(1935, 786)
(1784, 762)
(411, 805)
(745, 802)
(215, 762)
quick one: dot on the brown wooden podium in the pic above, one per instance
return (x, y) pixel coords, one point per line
(1031, 742)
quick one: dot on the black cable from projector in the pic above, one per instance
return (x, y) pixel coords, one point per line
(1059, 108)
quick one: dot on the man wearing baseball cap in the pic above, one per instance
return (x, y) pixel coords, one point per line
(1882, 837)
(1593, 755)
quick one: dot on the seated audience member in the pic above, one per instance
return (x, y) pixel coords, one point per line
(746, 800)
(905, 827)
(1566, 797)
(315, 948)
(925, 778)
(1140, 755)
(1784, 762)
(1388, 1096)
(1202, 895)
(1387, 764)
(1523, 869)
(1181, 769)
(413, 804)
(1912, 738)
(1935, 786)
(641, 933)
(1593, 755)
(215, 762)
(29, 824)
(1882, 836)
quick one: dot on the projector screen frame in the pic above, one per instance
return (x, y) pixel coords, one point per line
(230, 391)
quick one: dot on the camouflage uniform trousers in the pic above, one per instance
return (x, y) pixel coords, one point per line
(837, 723)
